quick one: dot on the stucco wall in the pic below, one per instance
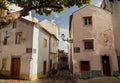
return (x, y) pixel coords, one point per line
(43, 54)
(53, 29)
(116, 25)
(114, 8)
(100, 31)
(17, 50)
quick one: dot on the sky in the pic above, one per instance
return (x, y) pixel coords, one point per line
(62, 19)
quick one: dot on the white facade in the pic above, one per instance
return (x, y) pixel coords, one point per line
(53, 52)
(26, 47)
(90, 61)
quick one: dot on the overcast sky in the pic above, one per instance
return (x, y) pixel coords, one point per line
(62, 19)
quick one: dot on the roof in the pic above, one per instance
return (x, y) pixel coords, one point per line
(44, 29)
(88, 6)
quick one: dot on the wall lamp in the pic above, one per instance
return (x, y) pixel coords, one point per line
(68, 40)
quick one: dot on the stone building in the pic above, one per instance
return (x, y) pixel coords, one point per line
(114, 7)
(93, 50)
(25, 50)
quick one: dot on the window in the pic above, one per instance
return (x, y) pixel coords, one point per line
(5, 40)
(14, 24)
(84, 65)
(88, 44)
(18, 38)
(54, 43)
(88, 20)
(45, 43)
(77, 49)
(4, 63)
(111, 0)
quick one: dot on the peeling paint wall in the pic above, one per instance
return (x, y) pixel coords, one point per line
(101, 32)
(114, 8)
(12, 50)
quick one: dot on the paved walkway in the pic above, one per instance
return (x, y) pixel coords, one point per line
(63, 77)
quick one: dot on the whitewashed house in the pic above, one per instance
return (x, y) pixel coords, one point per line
(93, 50)
(25, 50)
(114, 7)
(53, 53)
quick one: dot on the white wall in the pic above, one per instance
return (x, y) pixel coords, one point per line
(33, 67)
(17, 50)
(43, 53)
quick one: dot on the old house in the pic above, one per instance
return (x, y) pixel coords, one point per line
(93, 50)
(53, 46)
(113, 6)
(25, 50)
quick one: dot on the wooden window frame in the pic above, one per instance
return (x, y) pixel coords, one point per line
(89, 40)
(5, 42)
(76, 49)
(89, 20)
(44, 43)
(18, 40)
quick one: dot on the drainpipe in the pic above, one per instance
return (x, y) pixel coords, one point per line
(49, 56)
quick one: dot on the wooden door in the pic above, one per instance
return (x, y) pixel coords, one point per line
(85, 65)
(15, 70)
(106, 65)
(44, 67)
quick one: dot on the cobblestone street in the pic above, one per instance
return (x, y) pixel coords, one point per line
(65, 77)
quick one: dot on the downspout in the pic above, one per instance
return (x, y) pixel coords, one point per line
(49, 56)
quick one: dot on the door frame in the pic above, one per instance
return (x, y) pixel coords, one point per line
(12, 66)
(44, 67)
(109, 66)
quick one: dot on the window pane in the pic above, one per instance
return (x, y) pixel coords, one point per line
(5, 40)
(88, 44)
(88, 20)
(18, 38)
(76, 49)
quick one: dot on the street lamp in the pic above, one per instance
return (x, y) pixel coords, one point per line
(68, 40)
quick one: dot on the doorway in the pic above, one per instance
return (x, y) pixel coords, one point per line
(44, 67)
(106, 65)
(15, 67)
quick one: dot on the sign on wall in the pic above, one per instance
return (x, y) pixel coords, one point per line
(28, 50)
(76, 49)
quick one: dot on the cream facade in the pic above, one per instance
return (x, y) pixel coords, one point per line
(114, 7)
(93, 50)
(53, 52)
(24, 51)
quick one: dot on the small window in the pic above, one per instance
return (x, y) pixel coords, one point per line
(14, 24)
(88, 44)
(5, 40)
(45, 43)
(18, 38)
(84, 65)
(54, 43)
(76, 49)
(111, 0)
(87, 20)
